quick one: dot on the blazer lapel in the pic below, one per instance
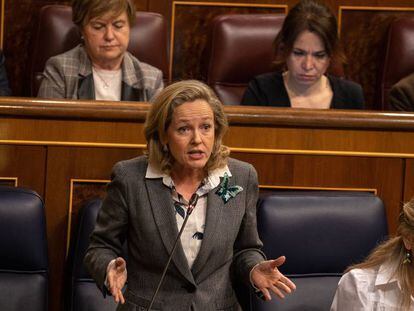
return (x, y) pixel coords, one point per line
(215, 207)
(161, 205)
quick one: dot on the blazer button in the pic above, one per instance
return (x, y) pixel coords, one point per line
(190, 288)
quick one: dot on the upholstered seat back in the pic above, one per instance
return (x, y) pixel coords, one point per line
(23, 251)
(320, 233)
(56, 34)
(398, 58)
(85, 295)
(239, 47)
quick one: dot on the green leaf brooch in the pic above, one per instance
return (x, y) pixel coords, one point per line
(225, 192)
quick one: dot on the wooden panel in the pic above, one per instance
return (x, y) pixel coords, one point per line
(190, 23)
(409, 181)
(364, 34)
(24, 164)
(188, 43)
(333, 172)
(65, 149)
(64, 164)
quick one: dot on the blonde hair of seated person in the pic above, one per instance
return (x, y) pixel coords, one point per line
(395, 251)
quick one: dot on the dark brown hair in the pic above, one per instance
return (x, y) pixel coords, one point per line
(85, 10)
(312, 16)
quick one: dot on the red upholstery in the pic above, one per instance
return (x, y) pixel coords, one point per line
(56, 34)
(239, 47)
(398, 58)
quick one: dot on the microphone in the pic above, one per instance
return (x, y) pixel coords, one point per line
(190, 208)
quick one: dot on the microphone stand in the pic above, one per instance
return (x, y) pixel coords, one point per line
(190, 208)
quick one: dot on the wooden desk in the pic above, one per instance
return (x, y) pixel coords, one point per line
(65, 151)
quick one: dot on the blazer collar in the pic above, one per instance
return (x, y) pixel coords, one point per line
(161, 204)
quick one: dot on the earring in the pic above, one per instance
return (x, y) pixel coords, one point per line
(407, 257)
(165, 148)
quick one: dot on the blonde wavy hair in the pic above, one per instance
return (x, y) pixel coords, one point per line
(393, 251)
(160, 115)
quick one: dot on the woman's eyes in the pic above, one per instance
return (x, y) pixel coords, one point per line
(99, 26)
(119, 25)
(183, 129)
(319, 55)
(204, 127)
(298, 53)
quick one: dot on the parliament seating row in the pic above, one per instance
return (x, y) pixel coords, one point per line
(320, 233)
(238, 48)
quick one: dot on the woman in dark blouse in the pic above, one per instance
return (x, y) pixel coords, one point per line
(305, 46)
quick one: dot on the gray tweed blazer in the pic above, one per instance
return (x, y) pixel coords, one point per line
(141, 211)
(69, 75)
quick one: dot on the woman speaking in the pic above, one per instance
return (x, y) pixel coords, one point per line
(149, 198)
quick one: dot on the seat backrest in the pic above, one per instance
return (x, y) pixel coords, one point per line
(320, 233)
(398, 57)
(56, 34)
(23, 251)
(239, 47)
(84, 293)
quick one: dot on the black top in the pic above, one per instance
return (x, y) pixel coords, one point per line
(269, 90)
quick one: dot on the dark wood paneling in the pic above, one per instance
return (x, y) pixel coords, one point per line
(190, 42)
(46, 144)
(409, 181)
(64, 164)
(26, 163)
(384, 175)
(364, 34)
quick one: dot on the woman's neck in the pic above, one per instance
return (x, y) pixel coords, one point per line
(107, 65)
(187, 182)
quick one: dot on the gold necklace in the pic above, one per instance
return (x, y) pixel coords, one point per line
(106, 83)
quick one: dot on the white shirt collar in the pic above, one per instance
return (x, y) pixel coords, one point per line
(386, 274)
(213, 178)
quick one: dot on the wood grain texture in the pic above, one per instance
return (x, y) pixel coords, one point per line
(70, 140)
(409, 181)
(190, 42)
(63, 164)
(364, 35)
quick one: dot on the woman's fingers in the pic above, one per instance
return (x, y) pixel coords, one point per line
(288, 282)
(276, 291)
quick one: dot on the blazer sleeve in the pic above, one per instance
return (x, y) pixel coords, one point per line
(402, 98)
(158, 86)
(247, 248)
(110, 230)
(53, 81)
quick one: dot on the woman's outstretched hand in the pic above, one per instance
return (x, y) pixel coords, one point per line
(116, 275)
(267, 277)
